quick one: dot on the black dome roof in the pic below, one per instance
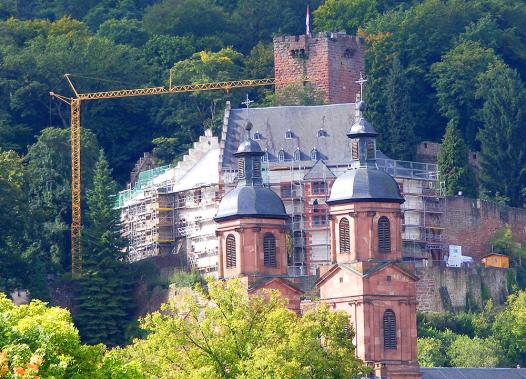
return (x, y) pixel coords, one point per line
(251, 201)
(365, 184)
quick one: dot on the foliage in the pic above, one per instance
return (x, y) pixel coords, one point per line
(430, 352)
(295, 94)
(453, 164)
(474, 352)
(503, 242)
(503, 160)
(41, 340)
(344, 15)
(509, 329)
(104, 298)
(229, 334)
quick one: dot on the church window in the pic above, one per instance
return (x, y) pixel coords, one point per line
(345, 238)
(354, 149)
(269, 250)
(281, 156)
(314, 155)
(389, 329)
(241, 168)
(230, 251)
(384, 235)
(297, 155)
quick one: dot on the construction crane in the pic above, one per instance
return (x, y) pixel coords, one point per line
(75, 103)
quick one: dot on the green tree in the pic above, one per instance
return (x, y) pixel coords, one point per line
(41, 341)
(104, 298)
(230, 334)
(454, 78)
(430, 352)
(504, 243)
(474, 352)
(344, 15)
(295, 94)
(503, 159)
(453, 164)
(509, 329)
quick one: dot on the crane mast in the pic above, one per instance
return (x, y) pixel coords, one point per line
(75, 106)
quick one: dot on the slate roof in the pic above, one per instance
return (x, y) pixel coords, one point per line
(472, 373)
(319, 171)
(304, 123)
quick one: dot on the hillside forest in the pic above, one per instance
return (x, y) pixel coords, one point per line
(450, 71)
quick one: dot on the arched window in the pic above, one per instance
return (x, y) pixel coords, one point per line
(257, 136)
(322, 133)
(297, 155)
(230, 251)
(281, 156)
(269, 250)
(384, 235)
(345, 238)
(389, 329)
(264, 158)
(289, 134)
(314, 155)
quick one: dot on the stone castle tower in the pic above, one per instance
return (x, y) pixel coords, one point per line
(367, 278)
(332, 62)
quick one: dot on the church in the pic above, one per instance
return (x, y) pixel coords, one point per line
(366, 278)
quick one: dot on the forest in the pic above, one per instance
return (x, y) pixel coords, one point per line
(450, 71)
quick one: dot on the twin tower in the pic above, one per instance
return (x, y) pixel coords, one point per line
(367, 278)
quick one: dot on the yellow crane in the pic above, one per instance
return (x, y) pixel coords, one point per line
(75, 103)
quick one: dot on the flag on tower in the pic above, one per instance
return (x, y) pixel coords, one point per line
(307, 21)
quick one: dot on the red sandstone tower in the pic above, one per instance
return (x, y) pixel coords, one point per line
(332, 62)
(367, 278)
(251, 226)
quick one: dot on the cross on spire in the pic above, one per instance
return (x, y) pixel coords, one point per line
(247, 103)
(361, 82)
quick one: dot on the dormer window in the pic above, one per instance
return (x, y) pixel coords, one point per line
(289, 134)
(264, 158)
(297, 155)
(281, 156)
(314, 155)
(258, 136)
(322, 133)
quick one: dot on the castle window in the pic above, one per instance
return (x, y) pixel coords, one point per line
(230, 251)
(389, 329)
(241, 168)
(281, 156)
(322, 133)
(314, 155)
(257, 136)
(354, 150)
(269, 250)
(289, 134)
(384, 235)
(297, 155)
(345, 238)
(264, 158)
(347, 53)
(318, 188)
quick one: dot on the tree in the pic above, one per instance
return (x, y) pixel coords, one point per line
(504, 243)
(509, 329)
(474, 352)
(230, 334)
(503, 158)
(344, 15)
(430, 352)
(453, 164)
(41, 340)
(104, 297)
(295, 94)
(454, 78)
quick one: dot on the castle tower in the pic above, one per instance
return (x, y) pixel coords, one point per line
(252, 229)
(332, 62)
(368, 279)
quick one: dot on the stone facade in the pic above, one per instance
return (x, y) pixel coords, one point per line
(472, 223)
(332, 62)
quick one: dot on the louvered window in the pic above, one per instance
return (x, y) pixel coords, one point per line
(354, 149)
(269, 250)
(257, 168)
(389, 329)
(370, 150)
(384, 235)
(241, 168)
(345, 240)
(230, 251)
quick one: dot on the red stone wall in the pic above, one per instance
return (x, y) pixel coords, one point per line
(472, 224)
(332, 62)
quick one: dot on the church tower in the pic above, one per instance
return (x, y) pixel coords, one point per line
(252, 229)
(367, 278)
